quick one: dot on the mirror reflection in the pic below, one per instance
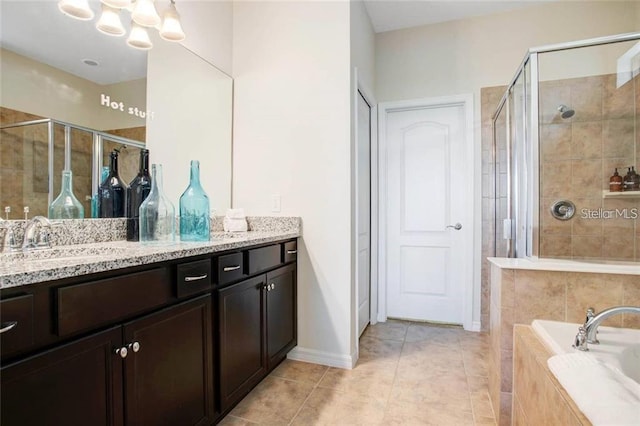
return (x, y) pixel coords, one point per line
(62, 80)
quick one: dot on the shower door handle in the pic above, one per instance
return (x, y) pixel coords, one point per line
(457, 226)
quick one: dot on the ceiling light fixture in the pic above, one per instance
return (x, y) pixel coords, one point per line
(143, 14)
(139, 38)
(78, 9)
(171, 29)
(109, 22)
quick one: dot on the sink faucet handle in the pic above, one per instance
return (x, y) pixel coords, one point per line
(590, 314)
(580, 342)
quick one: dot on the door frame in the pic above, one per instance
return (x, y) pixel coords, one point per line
(361, 88)
(472, 285)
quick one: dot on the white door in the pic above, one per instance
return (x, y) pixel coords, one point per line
(363, 210)
(428, 176)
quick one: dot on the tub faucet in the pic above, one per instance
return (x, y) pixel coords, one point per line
(36, 234)
(592, 325)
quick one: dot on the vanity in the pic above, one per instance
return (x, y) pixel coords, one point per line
(125, 334)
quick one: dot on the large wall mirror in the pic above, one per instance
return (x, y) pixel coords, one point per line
(63, 83)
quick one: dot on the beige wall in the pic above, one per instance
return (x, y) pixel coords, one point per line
(292, 138)
(46, 91)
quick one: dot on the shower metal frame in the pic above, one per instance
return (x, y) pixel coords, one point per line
(98, 138)
(531, 139)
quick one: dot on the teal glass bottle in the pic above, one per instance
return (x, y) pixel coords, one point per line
(194, 209)
(66, 205)
(95, 209)
(157, 214)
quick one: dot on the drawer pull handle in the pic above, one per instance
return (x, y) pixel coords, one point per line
(199, 277)
(273, 286)
(231, 268)
(292, 251)
(6, 326)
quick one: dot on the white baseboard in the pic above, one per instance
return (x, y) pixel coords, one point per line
(320, 357)
(475, 326)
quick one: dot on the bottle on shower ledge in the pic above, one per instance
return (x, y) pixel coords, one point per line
(636, 180)
(627, 183)
(615, 182)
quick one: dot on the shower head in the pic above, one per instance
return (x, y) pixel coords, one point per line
(565, 111)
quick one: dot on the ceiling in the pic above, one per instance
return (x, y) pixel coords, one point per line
(38, 30)
(388, 15)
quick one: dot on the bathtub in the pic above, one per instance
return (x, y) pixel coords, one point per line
(604, 382)
(619, 347)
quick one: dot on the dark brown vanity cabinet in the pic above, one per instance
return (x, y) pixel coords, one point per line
(257, 327)
(168, 343)
(155, 370)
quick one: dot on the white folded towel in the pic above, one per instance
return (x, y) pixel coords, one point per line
(235, 221)
(604, 394)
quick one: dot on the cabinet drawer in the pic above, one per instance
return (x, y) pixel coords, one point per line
(88, 305)
(193, 277)
(230, 268)
(290, 251)
(264, 258)
(16, 316)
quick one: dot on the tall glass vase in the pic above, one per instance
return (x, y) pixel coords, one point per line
(194, 209)
(157, 214)
(66, 205)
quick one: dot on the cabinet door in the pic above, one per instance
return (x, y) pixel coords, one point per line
(76, 384)
(169, 379)
(281, 313)
(241, 321)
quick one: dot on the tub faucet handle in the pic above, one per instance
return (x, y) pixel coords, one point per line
(581, 340)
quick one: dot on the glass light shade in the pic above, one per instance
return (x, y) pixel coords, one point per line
(139, 38)
(109, 22)
(118, 4)
(171, 29)
(78, 9)
(145, 14)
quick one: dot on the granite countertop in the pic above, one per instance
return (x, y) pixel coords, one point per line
(17, 269)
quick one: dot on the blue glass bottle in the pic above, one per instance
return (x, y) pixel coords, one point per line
(194, 209)
(157, 214)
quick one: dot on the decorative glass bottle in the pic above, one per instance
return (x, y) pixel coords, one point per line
(194, 209)
(139, 189)
(157, 214)
(95, 204)
(66, 205)
(112, 194)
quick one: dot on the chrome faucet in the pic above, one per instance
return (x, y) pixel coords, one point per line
(592, 324)
(36, 234)
(9, 242)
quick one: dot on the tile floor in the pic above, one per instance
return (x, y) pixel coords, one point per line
(408, 374)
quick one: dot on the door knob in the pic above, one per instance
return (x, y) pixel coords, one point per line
(135, 346)
(457, 226)
(122, 352)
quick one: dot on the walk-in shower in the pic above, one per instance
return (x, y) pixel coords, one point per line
(567, 121)
(33, 154)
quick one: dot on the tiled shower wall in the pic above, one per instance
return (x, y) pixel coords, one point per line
(578, 156)
(24, 179)
(490, 97)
